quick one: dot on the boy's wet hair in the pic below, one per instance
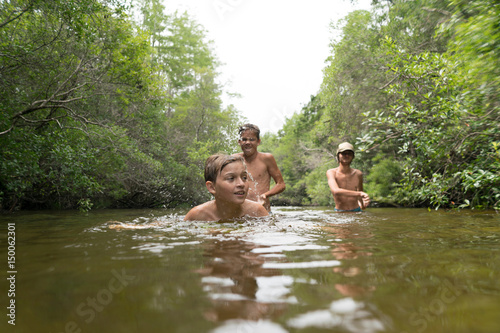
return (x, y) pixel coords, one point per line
(216, 163)
(251, 127)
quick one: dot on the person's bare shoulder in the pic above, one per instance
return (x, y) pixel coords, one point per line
(331, 172)
(255, 209)
(358, 173)
(203, 212)
(266, 156)
(269, 160)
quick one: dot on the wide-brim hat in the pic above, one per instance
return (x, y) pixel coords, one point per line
(345, 146)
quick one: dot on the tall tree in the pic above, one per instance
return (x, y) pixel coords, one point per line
(70, 70)
(195, 120)
(59, 55)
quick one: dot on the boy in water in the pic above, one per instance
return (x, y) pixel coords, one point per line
(261, 167)
(226, 178)
(346, 183)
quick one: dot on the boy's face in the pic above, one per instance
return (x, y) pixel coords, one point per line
(231, 184)
(248, 142)
(346, 156)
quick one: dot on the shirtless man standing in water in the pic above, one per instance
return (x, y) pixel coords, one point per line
(261, 167)
(346, 183)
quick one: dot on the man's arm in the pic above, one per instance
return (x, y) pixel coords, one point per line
(275, 173)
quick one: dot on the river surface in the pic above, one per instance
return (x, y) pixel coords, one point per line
(301, 270)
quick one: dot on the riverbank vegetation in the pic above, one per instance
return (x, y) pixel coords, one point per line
(98, 110)
(102, 108)
(415, 86)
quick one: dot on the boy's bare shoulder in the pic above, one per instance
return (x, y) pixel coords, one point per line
(203, 212)
(255, 209)
(266, 155)
(267, 158)
(357, 172)
(331, 171)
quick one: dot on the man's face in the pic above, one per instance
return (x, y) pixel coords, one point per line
(248, 142)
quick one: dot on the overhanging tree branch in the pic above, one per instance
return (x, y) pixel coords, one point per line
(11, 19)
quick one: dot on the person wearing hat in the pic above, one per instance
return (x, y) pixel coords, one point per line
(346, 183)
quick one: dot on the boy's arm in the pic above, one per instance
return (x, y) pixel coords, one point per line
(364, 200)
(337, 191)
(335, 188)
(332, 183)
(276, 175)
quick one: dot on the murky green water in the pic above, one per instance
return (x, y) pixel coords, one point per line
(303, 270)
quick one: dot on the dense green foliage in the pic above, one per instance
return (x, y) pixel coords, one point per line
(415, 86)
(97, 110)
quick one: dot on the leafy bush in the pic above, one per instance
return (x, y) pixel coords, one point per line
(383, 179)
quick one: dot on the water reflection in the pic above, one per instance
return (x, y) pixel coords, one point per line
(346, 250)
(346, 314)
(351, 312)
(257, 280)
(238, 285)
(304, 270)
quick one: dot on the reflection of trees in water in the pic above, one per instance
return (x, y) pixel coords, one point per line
(234, 290)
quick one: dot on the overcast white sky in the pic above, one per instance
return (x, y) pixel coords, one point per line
(273, 51)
